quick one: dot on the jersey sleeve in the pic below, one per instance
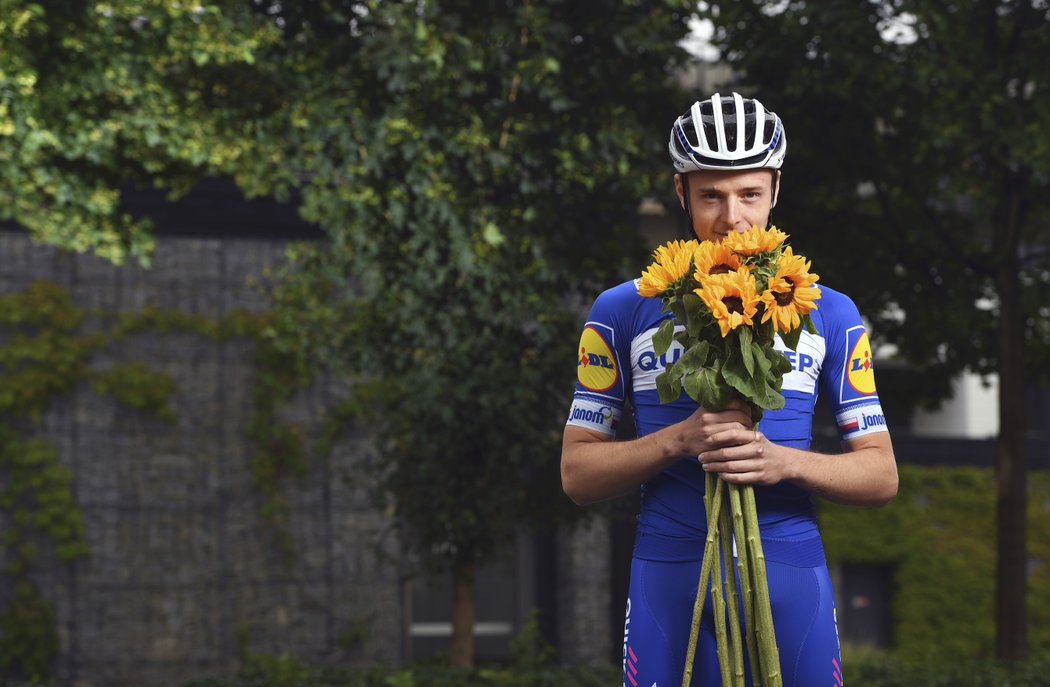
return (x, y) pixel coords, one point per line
(848, 378)
(598, 401)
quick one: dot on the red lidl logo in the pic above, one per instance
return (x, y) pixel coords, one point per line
(860, 371)
(596, 366)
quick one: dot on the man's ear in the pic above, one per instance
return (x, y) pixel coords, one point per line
(679, 190)
(776, 188)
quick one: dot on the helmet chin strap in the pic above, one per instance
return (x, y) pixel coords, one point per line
(691, 233)
(772, 199)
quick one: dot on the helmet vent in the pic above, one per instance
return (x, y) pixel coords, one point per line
(728, 132)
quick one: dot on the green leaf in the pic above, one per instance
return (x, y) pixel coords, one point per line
(694, 386)
(791, 338)
(669, 388)
(492, 235)
(778, 362)
(663, 337)
(768, 396)
(764, 333)
(694, 310)
(679, 311)
(744, 335)
(763, 363)
(693, 359)
(735, 374)
(707, 388)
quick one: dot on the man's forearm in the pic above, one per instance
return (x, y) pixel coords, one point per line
(595, 468)
(863, 477)
(599, 470)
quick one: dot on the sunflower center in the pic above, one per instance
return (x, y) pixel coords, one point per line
(720, 269)
(786, 297)
(734, 304)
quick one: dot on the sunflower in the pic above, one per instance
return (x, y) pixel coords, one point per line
(731, 297)
(754, 240)
(671, 262)
(715, 258)
(791, 293)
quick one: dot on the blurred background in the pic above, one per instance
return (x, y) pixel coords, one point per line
(290, 295)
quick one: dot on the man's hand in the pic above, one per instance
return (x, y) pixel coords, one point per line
(706, 431)
(744, 458)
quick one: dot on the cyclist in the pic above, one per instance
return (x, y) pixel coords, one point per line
(727, 152)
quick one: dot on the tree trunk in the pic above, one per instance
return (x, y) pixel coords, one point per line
(1010, 461)
(462, 650)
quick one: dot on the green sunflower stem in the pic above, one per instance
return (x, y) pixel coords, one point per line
(713, 507)
(736, 651)
(768, 654)
(718, 609)
(747, 588)
(734, 519)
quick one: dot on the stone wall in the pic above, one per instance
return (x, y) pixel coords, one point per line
(183, 572)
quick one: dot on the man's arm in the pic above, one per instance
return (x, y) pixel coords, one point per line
(595, 468)
(865, 475)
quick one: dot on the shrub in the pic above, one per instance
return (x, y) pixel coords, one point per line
(939, 536)
(866, 667)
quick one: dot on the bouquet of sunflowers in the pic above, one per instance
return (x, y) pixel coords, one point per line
(730, 300)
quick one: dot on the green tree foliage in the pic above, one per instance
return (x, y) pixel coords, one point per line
(917, 182)
(473, 163)
(908, 152)
(98, 95)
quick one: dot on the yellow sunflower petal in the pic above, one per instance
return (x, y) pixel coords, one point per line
(715, 258)
(671, 262)
(790, 293)
(755, 240)
(731, 297)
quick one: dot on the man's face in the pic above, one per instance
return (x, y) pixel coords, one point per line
(728, 200)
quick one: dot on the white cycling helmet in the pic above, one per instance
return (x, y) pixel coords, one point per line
(727, 133)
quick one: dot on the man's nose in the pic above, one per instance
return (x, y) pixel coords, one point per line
(731, 214)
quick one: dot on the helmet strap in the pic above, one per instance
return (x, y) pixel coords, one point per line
(690, 232)
(772, 199)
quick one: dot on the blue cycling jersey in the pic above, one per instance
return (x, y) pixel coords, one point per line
(617, 365)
